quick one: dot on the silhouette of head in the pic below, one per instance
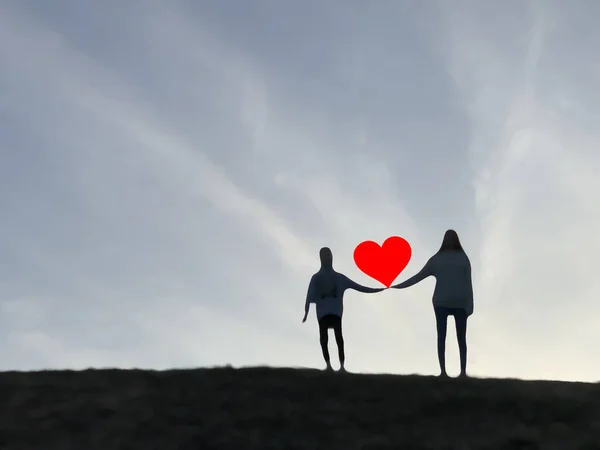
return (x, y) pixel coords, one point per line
(451, 242)
(326, 257)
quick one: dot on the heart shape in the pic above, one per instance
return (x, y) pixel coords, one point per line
(383, 263)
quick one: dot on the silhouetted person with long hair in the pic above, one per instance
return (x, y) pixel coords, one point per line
(326, 290)
(453, 295)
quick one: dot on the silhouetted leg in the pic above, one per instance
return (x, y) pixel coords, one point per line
(324, 338)
(461, 334)
(339, 339)
(441, 318)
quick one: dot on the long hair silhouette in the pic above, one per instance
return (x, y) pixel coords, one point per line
(451, 243)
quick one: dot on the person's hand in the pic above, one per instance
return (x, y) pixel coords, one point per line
(304, 319)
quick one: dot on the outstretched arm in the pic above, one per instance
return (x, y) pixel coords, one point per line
(360, 288)
(424, 273)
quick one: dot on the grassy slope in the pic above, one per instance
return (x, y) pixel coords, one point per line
(263, 408)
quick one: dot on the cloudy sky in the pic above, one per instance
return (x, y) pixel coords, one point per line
(169, 171)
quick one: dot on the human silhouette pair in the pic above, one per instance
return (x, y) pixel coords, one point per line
(453, 296)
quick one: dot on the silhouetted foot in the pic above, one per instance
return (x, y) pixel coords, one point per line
(343, 370)
(329, 368)
(443, 375)
(463, 375)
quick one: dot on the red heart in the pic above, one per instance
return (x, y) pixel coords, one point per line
(383, 263)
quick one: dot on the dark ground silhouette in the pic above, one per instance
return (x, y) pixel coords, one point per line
(264, 408)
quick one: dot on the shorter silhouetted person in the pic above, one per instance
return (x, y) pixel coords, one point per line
(326, 290)
(453, 294)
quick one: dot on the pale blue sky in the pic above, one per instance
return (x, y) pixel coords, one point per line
(169, 171)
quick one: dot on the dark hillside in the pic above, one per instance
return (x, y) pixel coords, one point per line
(264, 408)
